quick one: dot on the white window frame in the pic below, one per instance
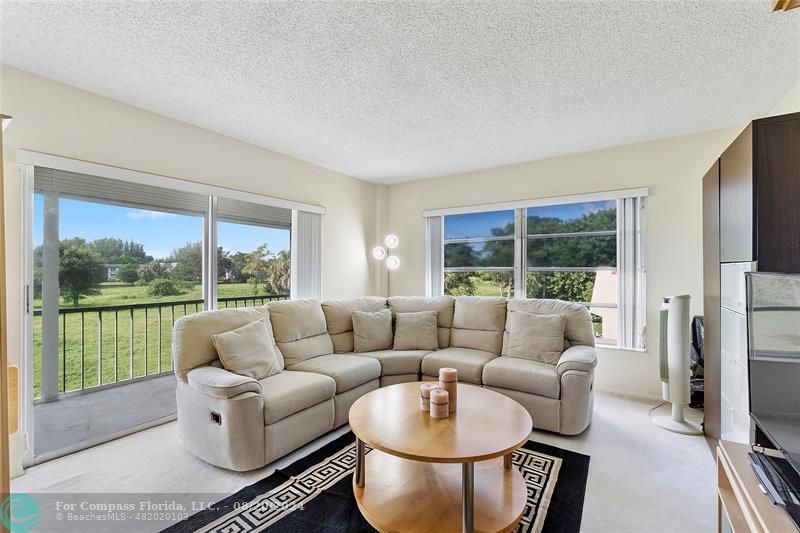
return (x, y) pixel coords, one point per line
(630, 254)
(27, 160)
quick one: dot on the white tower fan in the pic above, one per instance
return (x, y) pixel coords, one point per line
(674, 341)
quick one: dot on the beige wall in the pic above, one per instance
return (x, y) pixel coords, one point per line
(62, 120)
(790, 103)
(672, 169)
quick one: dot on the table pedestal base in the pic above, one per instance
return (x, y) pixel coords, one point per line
(403, 495)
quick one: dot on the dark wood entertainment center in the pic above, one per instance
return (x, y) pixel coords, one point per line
(751, 221)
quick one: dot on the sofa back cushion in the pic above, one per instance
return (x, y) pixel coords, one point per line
(443, 305)
(578, 329)
(250, 350)
(300, 330)
(191, 336)
(535, 337)
(339, 318)
(479, 322)
(372, 332)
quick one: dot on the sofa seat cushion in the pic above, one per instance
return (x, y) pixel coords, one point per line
(349, 371)
(523, 375)
(398, 362)
(469, 363)
(290, 392)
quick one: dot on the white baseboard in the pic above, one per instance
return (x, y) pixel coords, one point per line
(631, 395)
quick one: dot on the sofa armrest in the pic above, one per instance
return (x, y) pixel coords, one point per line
(220, 383)
(582, 358)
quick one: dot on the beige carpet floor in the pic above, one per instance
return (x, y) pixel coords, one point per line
(641, 478)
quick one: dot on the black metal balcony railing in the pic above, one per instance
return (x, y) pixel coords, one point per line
(92, 353)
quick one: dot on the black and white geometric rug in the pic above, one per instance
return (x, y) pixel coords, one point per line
(315, 494)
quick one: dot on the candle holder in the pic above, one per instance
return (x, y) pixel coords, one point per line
(440, 403)
(448, 380)
(425, 396)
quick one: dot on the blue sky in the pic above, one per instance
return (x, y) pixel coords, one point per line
(480, 224)
(159, 232)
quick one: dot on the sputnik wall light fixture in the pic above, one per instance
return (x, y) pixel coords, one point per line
(382, 252)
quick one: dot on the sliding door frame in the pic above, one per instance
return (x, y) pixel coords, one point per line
(27, 161)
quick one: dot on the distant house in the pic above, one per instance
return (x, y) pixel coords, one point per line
(111, 271)
(605, 292)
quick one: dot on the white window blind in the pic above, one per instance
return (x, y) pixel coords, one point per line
(306, 269)
(118, 192)
(435, 256)
(631, 286)
(238, 211)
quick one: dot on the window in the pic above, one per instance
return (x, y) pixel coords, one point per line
(479, 254)
(571, 253)
(584, 250)
(253, 253)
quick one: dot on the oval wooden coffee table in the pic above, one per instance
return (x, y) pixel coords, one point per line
(412, 480)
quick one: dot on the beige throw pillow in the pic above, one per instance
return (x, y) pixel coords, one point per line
(416, 331)
(372, 331)
(536, 337)
(249, 350)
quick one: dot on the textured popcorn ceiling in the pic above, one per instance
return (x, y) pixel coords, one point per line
(397, 91)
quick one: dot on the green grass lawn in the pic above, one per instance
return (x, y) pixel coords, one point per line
(139, 339)
(113, 293)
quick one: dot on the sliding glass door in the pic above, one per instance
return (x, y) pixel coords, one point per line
(113, 265)
(253, 253)
(109, 280)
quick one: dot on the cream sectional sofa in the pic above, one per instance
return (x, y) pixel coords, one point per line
(240, 423)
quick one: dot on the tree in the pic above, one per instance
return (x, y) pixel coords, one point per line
(113, 250)
(237, 264)
(189, 262)
(503, 280)
(152, 271)
(128, 273)
(224, 264)
(279, 277)
(256, 266)
(569, 286)
(459, 283)
(80, 270)
(164, 287)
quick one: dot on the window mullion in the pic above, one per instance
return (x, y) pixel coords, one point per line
(520, 253)
(210, 255)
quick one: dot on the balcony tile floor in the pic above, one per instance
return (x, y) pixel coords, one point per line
(93, 416)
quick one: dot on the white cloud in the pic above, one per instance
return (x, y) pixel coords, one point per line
(138, 214)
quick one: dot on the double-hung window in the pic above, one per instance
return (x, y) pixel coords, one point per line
(584, 249)
(479, 253)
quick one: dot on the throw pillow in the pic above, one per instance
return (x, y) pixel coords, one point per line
(536, 337)
(416, 331)
(372, 331)
(249, 350)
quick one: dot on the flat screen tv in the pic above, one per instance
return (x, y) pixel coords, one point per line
(773, 322)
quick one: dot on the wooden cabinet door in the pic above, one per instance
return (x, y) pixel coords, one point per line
(777, 190)
(711, 300)
(736, 200)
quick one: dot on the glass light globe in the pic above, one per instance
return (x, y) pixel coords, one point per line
(392, 262)
(379, 253)
(391, 241)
